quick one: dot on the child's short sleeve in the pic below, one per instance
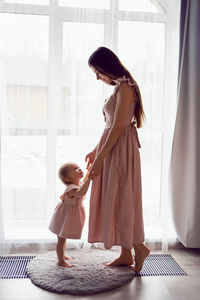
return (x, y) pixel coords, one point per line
(70, 201)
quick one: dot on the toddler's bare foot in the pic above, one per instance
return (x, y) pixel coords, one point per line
(121, 261)
(64, 264)
(68, 257)
(141, 252)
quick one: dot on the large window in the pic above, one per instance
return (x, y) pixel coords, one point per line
(51, 103)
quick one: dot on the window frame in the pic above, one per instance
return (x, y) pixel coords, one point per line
(110, 18)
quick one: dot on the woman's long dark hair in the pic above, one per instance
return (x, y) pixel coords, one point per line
(106, 62)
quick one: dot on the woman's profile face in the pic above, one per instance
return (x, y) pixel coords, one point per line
(101, 76)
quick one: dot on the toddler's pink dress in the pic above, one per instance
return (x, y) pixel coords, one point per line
(69, 216)
(116, 216)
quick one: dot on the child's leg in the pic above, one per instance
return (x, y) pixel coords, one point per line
(125, 258)
(65, 256)
(60, 253)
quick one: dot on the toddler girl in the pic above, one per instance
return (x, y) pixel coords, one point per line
(69, 215)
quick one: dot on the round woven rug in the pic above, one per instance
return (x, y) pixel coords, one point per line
(89, 275)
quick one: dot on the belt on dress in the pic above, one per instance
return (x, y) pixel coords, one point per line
(132, 124)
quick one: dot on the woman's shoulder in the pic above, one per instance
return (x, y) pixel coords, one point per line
(125, 83)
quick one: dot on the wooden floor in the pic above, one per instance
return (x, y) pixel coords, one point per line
(140, 288)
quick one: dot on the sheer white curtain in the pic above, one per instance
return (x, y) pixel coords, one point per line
(24, 79)
(51, 104)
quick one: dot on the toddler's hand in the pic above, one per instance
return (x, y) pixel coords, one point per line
(96, 168)
(90, 157)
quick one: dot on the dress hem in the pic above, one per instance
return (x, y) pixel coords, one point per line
(117, 244)
(67, 236)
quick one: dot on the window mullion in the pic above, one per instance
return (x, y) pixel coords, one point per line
(111, 26)
(54, 96)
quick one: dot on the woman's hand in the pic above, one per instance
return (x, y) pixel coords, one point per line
(96, 168)
(90, 157)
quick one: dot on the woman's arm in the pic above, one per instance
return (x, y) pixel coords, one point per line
(90, 157)
(125, 98)
(95, 149)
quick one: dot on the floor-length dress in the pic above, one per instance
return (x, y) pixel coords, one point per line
(116, 216)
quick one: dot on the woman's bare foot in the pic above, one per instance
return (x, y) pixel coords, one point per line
(64, 264)
(125, 259)
(121, 261)
(141, 252)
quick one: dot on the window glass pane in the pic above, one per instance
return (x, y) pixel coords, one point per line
(144, 57)
(100, 4)
(34, 2)
(140, 5)
(24, 65)
(80, 87)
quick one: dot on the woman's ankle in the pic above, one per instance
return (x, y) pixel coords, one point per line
(126, 252)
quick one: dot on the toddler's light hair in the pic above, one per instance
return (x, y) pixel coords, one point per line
(62, 173)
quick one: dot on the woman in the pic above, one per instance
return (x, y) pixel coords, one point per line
(116, 216)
